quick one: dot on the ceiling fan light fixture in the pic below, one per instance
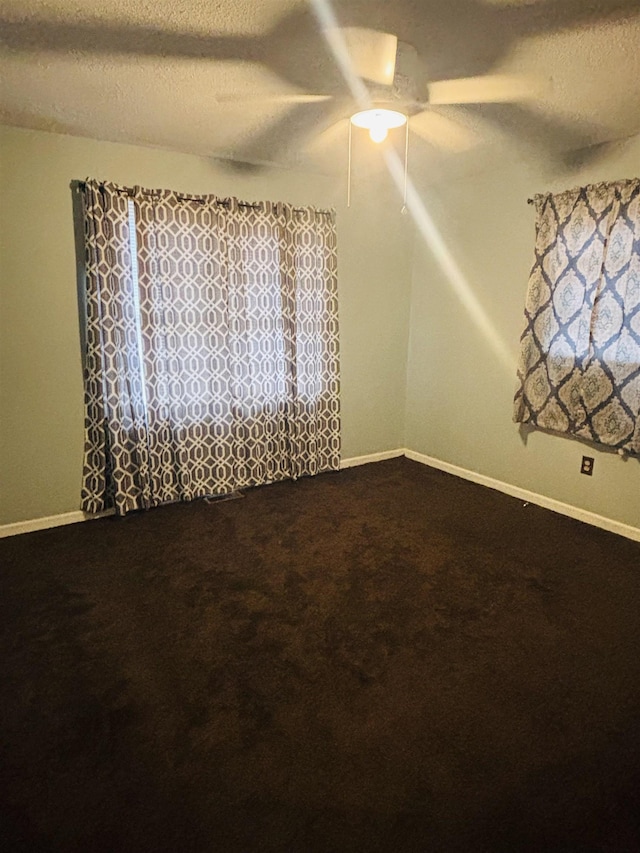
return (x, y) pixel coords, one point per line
(378, 122)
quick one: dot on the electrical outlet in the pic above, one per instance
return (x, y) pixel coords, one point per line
(587, 465)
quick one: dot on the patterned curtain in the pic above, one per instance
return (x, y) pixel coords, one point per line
(579, 368)
(212, 346)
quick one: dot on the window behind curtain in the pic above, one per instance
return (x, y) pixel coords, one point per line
(213, 339)
(580, 351)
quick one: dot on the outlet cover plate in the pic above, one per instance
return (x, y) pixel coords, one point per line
(587, 465)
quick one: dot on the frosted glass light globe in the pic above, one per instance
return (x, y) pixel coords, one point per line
(378, 122)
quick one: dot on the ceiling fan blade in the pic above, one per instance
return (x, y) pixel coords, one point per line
(334, 134)
(486, 89)
(290, 134)
(548, 16)
(102, 38)
(372, 54)
(442, 131)
(294, 98)
(551, 136)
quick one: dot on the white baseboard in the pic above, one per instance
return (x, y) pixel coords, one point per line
(33, 524)
(49, 521)
(531, 497)
(514, 491)
(372, 457)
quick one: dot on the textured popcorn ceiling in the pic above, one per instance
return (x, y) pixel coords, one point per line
(197, 76)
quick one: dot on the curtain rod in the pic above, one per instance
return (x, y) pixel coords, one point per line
(623, 182)
(131, 191)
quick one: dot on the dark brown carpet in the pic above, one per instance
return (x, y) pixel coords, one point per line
(384, 659)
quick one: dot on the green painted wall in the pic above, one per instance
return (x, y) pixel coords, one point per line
(428, 357)
(464, 334)
(41, 419)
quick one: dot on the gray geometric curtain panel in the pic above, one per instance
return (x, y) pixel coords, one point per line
(212, 359)
(579, 370)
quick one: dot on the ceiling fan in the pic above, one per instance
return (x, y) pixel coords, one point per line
(389, 88)
(414, 57)
(409, 56)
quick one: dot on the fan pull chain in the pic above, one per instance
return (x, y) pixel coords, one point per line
(404, 209)
(406, 167)
(349, 170)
